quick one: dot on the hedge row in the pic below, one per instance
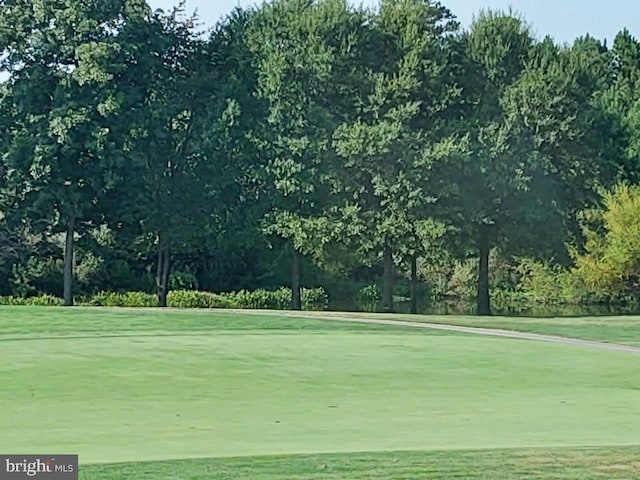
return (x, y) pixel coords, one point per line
(312, 299)
(42, 301)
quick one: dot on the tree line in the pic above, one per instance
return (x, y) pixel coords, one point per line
(301, 136)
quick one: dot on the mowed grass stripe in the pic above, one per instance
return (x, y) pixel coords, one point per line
(331, 388)
(17, 323)
(36, 322)
(540, 464)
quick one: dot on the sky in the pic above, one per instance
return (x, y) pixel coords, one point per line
(564, 20)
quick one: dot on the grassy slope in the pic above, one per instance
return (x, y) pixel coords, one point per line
(621, 329)
(118, 385)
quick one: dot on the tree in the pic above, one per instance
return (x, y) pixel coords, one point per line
(297, 45)
(235, 245)
(164, 199)
(621, 102)
(495, 51)
(402, 85)
(60, 98)
(537, 141)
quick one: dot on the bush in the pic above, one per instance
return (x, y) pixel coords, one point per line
(611, 261)
(546, 285)
(37, 276)
(280, 299)
(314, 299)
(262, 299)
(462, 282)
(368, 298)
(124, 299)
(89, 273)
(40, 301)
(196, 299)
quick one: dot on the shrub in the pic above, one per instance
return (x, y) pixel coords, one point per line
(89, 273)
(368, 298)
(37, 276)
(40, 301)
(462, 282)
(510, 302)
(45, 301)
(11, 300)
(280, 299)
(611, 261)
(124, 299)
(262, 299)
(196, 299)
(314, 299)
(539, 282)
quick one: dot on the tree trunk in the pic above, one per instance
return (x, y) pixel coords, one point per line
(68, 263)
(414, 284)
(483, 301)
(387, 280)
(296, 294)
(162, 276)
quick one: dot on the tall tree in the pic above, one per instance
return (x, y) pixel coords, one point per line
(402, 85)
(497, 47)
(297, 44)
(622, 102)
(537, 154)
(234, 239)
(60, 59)
(164, 198)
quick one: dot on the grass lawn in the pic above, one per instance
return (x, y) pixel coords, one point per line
(133, 386)
(621, 329)
(540, 464)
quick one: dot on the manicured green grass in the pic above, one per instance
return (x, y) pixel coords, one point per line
(134, 385)
(540, 464)
(620, 329)
(41, 322)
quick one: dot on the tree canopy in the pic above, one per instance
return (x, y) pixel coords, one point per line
(304, 140)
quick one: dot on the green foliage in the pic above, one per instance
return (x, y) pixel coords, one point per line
(541, 285)
(183, 281)
(290, 42)
(37, 275)
(58, 107)
(314, 299)
(90, 271)
(462, 281)
(123, 299)
(368, 298)
(40, 301)
(547, 284)
(280, 299)
(319, 127)
(262, 299)
(612, 252)
(538, 285)
(196, 299)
